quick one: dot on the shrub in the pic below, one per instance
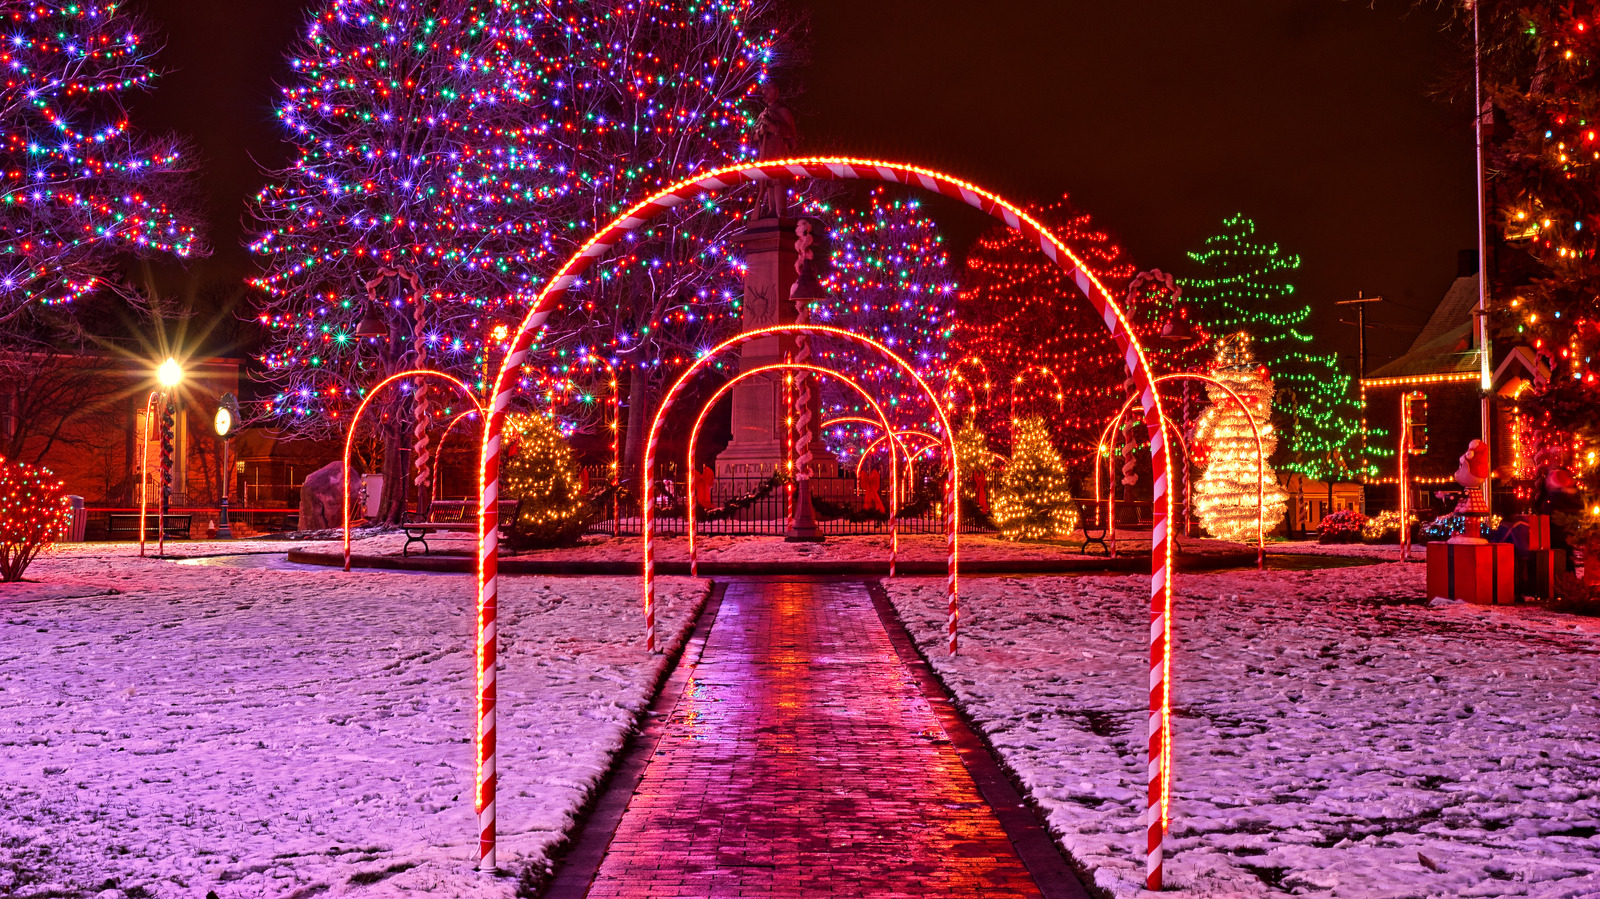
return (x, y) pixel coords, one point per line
(1343, 526)
(1383, 527)
(33, 510)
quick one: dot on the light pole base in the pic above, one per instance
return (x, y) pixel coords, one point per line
(803, 527)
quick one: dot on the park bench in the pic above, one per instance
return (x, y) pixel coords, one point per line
(452, 516)
(177, 526)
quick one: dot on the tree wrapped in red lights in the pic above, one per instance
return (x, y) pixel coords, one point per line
(33, 510)
(82, 185)
(1543, 153)
(448, 150)
(1019, 311)
(889, 278)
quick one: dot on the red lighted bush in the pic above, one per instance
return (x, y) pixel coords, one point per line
(33, 510)
(1343, 526)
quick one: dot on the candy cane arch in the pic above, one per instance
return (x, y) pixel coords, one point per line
(1061, 398)
(835, 169)
(438, 455)
(694, 439)
(1261, 478)
(954, 372)
(350, 436)
(144, 465)
(911, 458)
(1111, 497)
(952, 488)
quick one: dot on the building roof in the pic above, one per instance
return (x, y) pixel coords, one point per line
(1446, 344)
(1453, 310)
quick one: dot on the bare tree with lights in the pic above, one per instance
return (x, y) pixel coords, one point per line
(83, 188)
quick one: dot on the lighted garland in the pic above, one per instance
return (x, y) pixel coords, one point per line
(81, 185)
(33, 511)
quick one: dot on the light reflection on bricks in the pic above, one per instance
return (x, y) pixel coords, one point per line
(803, 761)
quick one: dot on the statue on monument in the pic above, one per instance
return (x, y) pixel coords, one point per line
(776, 138)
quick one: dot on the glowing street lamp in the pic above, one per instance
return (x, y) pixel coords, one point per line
(169, 375)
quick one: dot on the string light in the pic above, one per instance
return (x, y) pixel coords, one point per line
(1034, 501)
(33, 512)
(1226, 493)
(1243, 290)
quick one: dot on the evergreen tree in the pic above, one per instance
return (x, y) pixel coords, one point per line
(1241, 288)
(890, 279)
(1226, 494)
(1018, 312)
(1542, 65)
(977, 472)
(541, 472)
(1034, 502)
(83, 187)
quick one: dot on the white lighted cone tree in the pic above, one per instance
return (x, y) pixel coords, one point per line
(1034, 501)
(1226, 493)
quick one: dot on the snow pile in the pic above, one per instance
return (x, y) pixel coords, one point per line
(1335, 735)
(180, 727)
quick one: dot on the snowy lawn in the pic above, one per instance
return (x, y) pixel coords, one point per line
(1335, 735)
(1389, 552)
(181, 727)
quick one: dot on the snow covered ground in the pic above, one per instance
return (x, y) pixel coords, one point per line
(1336, 736)
(182, 727)
(1389, 552)
(863, 548)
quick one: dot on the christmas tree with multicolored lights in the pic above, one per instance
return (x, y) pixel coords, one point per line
(451, 153)
(1542, 74)
(890, 279)
(83, 187)
(1242, 287)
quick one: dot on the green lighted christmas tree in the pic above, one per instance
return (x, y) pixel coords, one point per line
(540, 471)
(1033, 502)
(1242, 287)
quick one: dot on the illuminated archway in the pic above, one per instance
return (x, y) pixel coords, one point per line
(827, 168)
(350, 436)
(952, 487)
(1261, 487)
(705, 409)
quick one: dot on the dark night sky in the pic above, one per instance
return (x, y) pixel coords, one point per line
(1160, 117)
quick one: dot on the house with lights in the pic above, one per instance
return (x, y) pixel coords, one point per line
(1438, 386)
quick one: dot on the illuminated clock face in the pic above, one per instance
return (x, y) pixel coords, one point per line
(224, 422)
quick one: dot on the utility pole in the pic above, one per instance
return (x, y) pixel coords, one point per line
(1360, 302)
(1482, 312)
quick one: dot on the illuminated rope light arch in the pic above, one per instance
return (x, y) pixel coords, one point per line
(438, 455)
(355, 420)
(1061, 391)
(828, 168)
(1261, 487)
(952, 525)
(911, 457)
(694, 438)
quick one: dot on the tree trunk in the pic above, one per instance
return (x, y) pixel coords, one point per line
(638, 429)
(392, 507)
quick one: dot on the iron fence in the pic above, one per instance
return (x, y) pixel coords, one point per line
(752, 506)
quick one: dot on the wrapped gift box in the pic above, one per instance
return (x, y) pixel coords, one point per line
(1537, 570)
(1481, 573)
(1537, 528)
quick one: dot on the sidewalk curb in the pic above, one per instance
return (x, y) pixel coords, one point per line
(1056, 873)
(574, 869)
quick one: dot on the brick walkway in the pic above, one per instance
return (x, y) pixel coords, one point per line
(803, 760)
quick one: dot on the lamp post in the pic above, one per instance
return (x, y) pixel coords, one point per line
(168, 375)
(225, 424)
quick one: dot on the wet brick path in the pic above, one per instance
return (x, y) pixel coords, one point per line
(803, 761)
